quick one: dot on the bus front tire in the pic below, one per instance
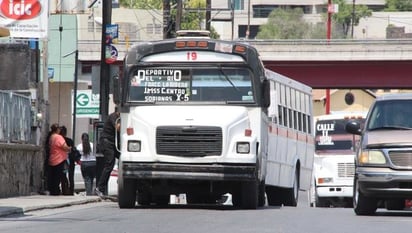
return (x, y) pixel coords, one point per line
(127, 193)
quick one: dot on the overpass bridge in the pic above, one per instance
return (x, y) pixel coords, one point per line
(366, 64)
(341, 63)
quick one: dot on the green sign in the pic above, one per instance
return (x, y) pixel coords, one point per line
(87, 104)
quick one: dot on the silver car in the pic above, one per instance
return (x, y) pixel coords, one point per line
(383, 164)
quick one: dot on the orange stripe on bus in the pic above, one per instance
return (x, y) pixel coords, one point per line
(290, 133)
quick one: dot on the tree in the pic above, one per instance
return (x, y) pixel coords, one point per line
(284, 23)
(142, 4)
(346, 14)
(398, 5)
(190, 20)
(193, 20)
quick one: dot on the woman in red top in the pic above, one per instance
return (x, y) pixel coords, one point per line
(57, 160)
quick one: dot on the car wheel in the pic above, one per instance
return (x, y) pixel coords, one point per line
(363, 205)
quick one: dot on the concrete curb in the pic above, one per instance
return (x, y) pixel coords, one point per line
(21, 205)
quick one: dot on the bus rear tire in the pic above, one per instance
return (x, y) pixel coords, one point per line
(274, 195)
(127, 193)
(261, 195)
(291, 195)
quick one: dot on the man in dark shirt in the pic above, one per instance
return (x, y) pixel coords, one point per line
(108, 147)
(69, 190)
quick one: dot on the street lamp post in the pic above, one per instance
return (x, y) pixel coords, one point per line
(353, 17)
(76, 58)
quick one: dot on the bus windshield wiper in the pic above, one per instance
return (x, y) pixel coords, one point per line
(228, 79)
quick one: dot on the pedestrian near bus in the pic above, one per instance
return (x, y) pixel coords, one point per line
(57, 160)
(71, 161)
(87, 163)
(110, 133)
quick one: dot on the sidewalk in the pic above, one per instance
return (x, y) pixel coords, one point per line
(23, 204)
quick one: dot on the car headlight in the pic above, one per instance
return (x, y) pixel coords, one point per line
(134, 146)
(242, 147)
(371, 157)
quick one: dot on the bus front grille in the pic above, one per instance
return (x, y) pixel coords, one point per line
(346, 170)
(189, 141)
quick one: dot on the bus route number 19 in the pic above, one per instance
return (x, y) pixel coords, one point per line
(191, 56)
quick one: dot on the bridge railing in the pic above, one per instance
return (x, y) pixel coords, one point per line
(327, 42)
(15, 118)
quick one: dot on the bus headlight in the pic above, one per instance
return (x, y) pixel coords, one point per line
(134, 146)
(371, 157)
(242, 147)
(324, 180)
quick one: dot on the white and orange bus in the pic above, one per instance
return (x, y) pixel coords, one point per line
(334, 166)
(204, 117)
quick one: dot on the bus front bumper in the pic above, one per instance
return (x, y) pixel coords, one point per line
(211, 172)
(334, 191)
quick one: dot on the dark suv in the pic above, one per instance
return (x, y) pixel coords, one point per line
(383, 165)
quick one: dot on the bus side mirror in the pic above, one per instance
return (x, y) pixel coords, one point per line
(265, 93)
(353, 127)
(116, 90)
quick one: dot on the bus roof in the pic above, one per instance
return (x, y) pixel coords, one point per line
(143, 49)
(342, 115)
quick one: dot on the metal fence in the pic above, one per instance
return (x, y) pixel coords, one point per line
(15, 118)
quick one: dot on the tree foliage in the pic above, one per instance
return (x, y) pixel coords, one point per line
(142, 4)
(284, 23)
(190, 20)
(398, 5)
(346, 14)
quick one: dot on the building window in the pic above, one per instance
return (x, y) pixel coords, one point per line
(262, 11)
(154, 28)
(237, 4)
(86, 68)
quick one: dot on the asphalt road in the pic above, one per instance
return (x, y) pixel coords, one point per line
(105, 217)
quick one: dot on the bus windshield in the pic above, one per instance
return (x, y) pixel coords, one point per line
(331, 136)
(200, 84)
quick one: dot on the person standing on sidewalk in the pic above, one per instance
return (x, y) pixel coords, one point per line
(87, 163)
(71, 161)
(57, 160)
(107, 144)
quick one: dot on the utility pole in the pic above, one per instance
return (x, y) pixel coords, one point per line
(353, 17)
(208, 14)
(328, 36)
(248, 20)
(166, 18)
(179, 14)
(232, 16)
(75, 81)
(104, 67)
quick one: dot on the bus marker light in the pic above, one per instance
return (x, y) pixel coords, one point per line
(180, 44)
(202, 44)
(240, 49)
(191, 44)
(129, 131)
(248, 132)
